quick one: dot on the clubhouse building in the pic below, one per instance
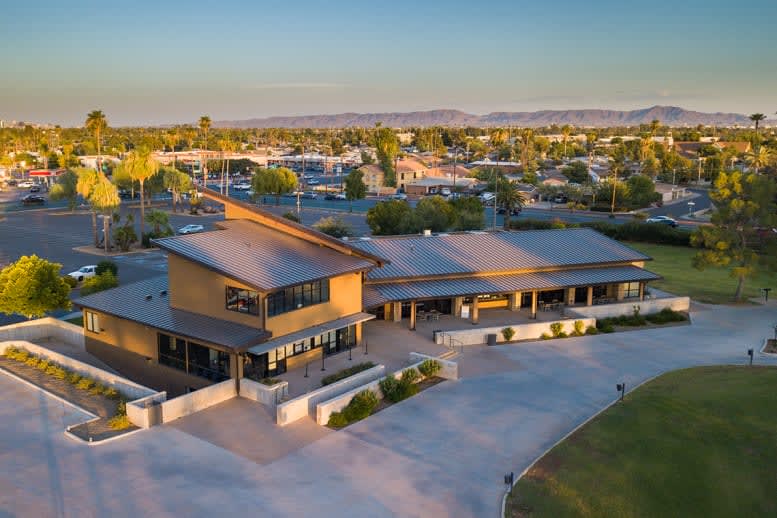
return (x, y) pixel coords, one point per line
(262, 295)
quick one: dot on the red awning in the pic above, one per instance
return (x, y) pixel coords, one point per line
(46, 172)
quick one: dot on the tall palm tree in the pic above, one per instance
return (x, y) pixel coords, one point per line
(510, 198)
(757, 118)
(105, 199)
(96, 122)
(87, 179)
(617, 166)
(566, 130)
(758, 158)
(141, 166)
(205, 123)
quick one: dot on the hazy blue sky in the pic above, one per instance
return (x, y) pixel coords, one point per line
(151, 62)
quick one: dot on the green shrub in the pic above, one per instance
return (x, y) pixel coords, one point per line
(97, 388)
(33, 361)
(70, 281)
(562, 334)
(591, 330)
(119, 422)
(665, 316)
(121, 408)
(85, 384)
(642, 232)
(508, 333)
(350, 371)
(361, 406)
(545, 336)
(73, 378)
(111, 393)
(337, 420)
(556, 329)
(410, 376)
(396, 390)
(43, 365)
(102, 282)
(270, 381)
(429, 368)
(579, 328)
(107, 266)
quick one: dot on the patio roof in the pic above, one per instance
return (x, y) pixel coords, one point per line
(310, 332)
(381, 293)
(148, 303)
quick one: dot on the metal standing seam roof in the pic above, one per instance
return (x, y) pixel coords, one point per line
(130, 302)
(477, 252)
(376, 294)
(310, 332)
(261, 256)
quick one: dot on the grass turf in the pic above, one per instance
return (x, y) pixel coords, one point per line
(712, 285)
(695, 442)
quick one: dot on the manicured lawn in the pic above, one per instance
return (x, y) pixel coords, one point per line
(695, 442)
(713, 285)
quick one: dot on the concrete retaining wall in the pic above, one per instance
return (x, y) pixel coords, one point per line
(531, 331)
(146, 412)
(646, 307)
(42, 328)
(130, 389)
(448, 369)
(198, 400)
(264, 394)
(303, 405)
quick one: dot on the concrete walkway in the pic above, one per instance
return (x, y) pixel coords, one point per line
(442, 453)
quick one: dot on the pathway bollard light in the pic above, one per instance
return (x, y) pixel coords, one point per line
(509, 479)
(750, 354)
(306, 369)
(621, 387)
(323, 357)
(349, 352)
(366, 345)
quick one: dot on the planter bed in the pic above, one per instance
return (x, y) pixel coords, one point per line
(422, 385)
(771, 346)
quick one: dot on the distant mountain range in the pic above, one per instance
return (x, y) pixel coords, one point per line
(668, 115)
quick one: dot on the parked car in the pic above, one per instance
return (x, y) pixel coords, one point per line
(35, 188)
(664, 220)
(26, 184)
(516, 211)
(242, 186)
(398, 196)
(560, 199)
(309, 195)
(191, 229)
(335, 196)
(487, 197)
(33, 199)
(84, 272)
(126, 194)
(313, 182)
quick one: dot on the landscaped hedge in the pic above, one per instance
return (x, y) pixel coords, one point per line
(666, 315)
(117, 422)
(629, 231)
(350, 371)
(361, 406)
(395, 390)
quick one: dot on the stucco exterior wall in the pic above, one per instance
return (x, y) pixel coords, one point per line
(345, 298)
(199, 290)
(522, 332)
(41, 328)
(267, 395)
(198, 400)
(646, 307)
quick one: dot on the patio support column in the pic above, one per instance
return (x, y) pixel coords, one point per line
(589, 300)
(387, 308)
(619, 291)
(457, 303)
(641, 291)
(236, 369)
(570, 301)
(412, 315)
(359, 333)
(534, 304)
(396, 308)
(514, 301)
(474, 315)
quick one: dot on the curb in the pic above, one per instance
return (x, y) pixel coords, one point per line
(50, 394)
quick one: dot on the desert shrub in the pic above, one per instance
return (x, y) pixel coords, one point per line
(43, 365)
(73, 378)
(410, 376)
(97, 388)
(508, 333)
(70, 281)
(556, 329)
(270, 381)
(111, 393)
(545, 336)
(119, 422)
(85, 384)
(579, 328)
(102, 282)
(337, 420)
(665, 316)
(350, 371)
(32, 361)
(361, 406)
(107, 266)
(591, 330)
(562, 334)
(429, 368)
(291, 216)
(395, 390)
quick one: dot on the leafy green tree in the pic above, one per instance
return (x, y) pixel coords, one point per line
(576, 172)
(354, 187)
(125, 237)
(510, 199)
(469, 214)
(334, 226)
(367, 158)
(394, 217)
(744, 203)
(204, 125)
(759, 158)
(641, 191)
(386, 149)
(277, 181)
(32, 287)
(160, 223)
(178, 182)
(141, 166)
(65, 189)
(434, 213)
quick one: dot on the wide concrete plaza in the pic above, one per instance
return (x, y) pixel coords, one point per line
(442, 453)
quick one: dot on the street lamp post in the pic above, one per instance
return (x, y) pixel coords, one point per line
(690, 209)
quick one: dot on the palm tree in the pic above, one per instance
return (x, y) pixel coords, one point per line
(566, 130)
(204, 128)
(141, 166)
(104, 198)
(757, 118)
(87, 179)
(617, 166)
(510, 198)
(758, 158)
(97, 123)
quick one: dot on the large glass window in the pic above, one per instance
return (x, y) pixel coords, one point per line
(193, 358)
(242, 301)
(172, 352)
(92, 321)
(631, 290)
(297, 297)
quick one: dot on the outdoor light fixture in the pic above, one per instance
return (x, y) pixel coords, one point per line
(750, 354)
(621, 387)
(766, 291)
